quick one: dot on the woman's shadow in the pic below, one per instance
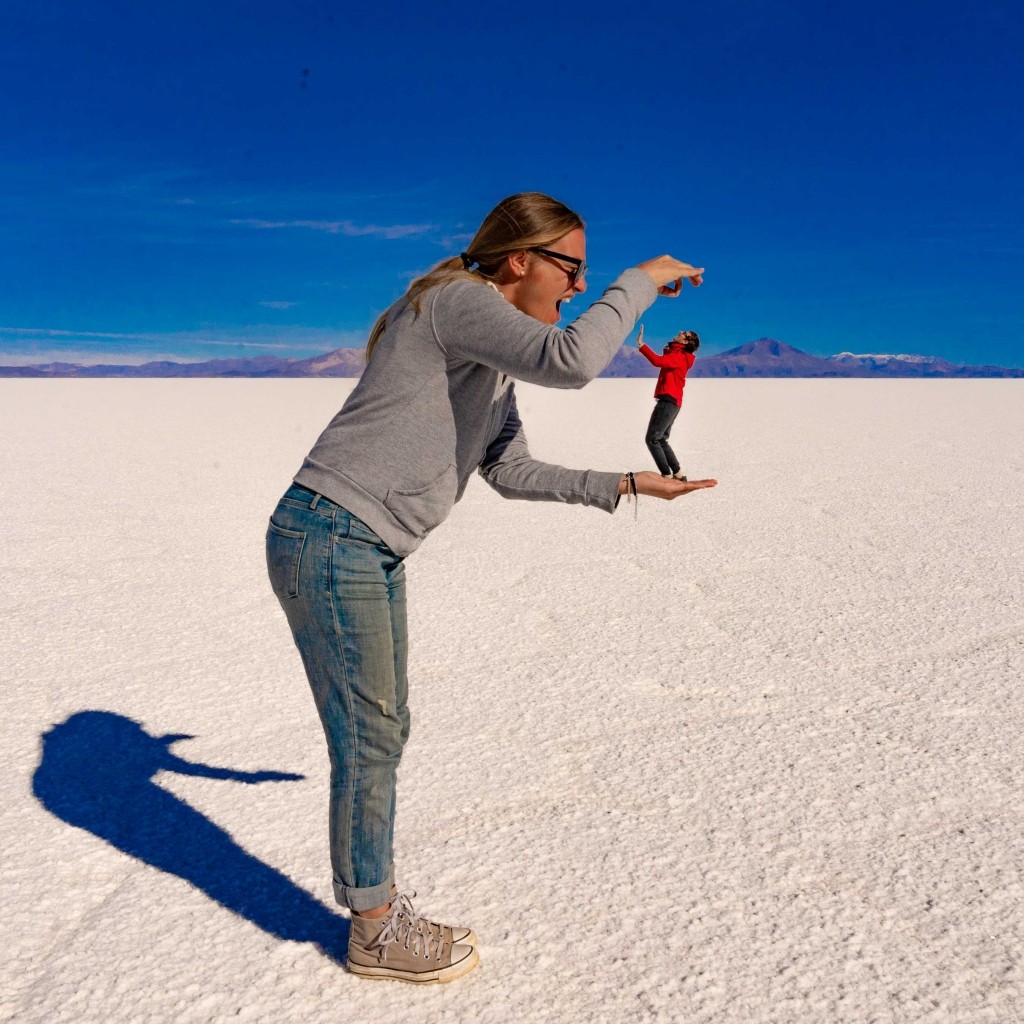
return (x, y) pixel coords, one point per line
(96, 773)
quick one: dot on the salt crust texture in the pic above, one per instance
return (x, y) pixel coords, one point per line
(754, 757)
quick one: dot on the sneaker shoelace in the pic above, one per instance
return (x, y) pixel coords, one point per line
(414, 933)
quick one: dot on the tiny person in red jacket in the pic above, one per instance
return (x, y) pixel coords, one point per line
(674, 363)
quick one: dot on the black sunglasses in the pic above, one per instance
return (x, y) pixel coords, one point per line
(579, 270)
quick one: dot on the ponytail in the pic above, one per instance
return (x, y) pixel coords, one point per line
(451, 269)
(526, 220)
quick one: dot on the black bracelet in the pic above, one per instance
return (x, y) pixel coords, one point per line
(631, 494)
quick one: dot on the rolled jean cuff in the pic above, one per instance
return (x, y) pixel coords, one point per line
(368, 898)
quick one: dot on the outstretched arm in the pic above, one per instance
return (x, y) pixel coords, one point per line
(477, 324)
(206, 771)
(645, 350)
(672, 360)
(513, 472)
(510, 469)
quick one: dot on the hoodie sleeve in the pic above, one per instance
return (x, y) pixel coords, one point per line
(671, 360)
(477, 324)
(510, 469)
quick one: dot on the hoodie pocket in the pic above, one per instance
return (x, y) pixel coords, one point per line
(419, 510)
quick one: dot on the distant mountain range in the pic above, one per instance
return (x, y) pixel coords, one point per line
(765, 357)
(342, 362)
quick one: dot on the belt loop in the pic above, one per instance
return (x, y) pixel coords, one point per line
(316, 501)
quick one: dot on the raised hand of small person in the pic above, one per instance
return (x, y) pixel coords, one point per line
(668, 274)
(640, 337)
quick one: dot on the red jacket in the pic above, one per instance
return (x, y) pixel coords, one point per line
(674, 366)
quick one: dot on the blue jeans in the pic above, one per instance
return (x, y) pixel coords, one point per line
(343, 591)
(662, 417)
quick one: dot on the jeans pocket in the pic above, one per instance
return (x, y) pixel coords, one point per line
(284, 554)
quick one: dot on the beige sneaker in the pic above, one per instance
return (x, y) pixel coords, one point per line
(402, 946)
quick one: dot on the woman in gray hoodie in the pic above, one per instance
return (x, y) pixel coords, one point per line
(435, 403)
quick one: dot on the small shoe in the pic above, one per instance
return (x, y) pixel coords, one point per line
(678, 475)
(401, 946)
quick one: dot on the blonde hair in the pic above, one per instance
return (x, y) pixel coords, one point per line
(523, 221)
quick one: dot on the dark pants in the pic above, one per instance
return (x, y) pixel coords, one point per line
(662, 418)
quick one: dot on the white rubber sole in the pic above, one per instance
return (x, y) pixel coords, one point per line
(438, 977)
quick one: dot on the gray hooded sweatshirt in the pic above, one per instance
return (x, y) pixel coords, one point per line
(437, 401)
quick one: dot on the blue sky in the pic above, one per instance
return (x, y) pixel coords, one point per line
(198, 181)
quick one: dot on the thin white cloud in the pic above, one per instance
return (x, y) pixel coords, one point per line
(269, 337)
(338, 227)
(277, 305)
(457, 241)
(50, 332)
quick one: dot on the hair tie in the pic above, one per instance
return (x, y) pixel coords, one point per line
(467, 260)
